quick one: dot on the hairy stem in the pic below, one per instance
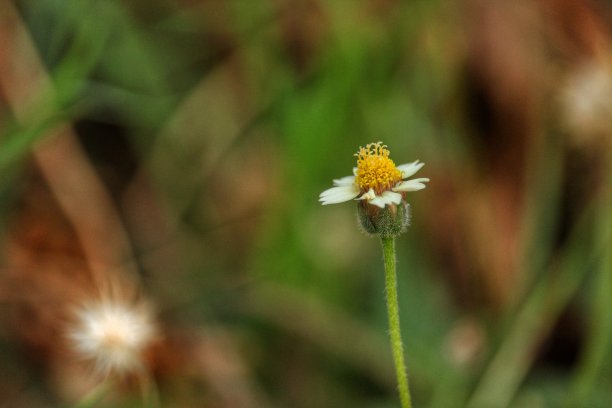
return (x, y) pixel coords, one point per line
(388, 244)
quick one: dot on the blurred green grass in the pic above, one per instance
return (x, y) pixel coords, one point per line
(239, 113)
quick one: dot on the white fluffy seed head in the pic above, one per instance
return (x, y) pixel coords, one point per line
(586, 105)
(113, 335)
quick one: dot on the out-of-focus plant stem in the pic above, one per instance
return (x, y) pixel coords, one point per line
(536, 318)
(92, 398)
(600, 340)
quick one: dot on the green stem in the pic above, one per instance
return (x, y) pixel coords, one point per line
(512, 361)
(148, 389)
(388, 244)
(93, 397)
(599, 343)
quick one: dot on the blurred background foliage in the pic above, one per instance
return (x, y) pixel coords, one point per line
(182, 144)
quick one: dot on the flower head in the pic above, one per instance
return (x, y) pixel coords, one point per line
(375, 170)
(112, 334)
(380, 186)
(376, 179)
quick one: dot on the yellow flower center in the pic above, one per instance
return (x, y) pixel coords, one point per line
(375, 170)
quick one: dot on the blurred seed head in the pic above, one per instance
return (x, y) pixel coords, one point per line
(586, 102)
(112, 334)
(465, 342)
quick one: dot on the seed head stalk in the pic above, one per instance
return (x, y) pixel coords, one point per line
(388, 244)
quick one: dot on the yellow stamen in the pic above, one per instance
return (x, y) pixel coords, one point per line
(375, 169)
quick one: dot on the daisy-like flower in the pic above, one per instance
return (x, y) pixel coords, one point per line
(112, 334)
(380, 188)
(376, 179)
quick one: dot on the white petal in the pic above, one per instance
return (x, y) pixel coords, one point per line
(387, 197)
(411, 185)
(354, 171)
(340, 190)
(391, 197)
(338, 194)
(344, 181)
(410, 168)
(378, 201)
(420, 180)
(370, 195)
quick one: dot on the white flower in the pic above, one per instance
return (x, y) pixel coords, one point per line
(376, 179)
(112, 334)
